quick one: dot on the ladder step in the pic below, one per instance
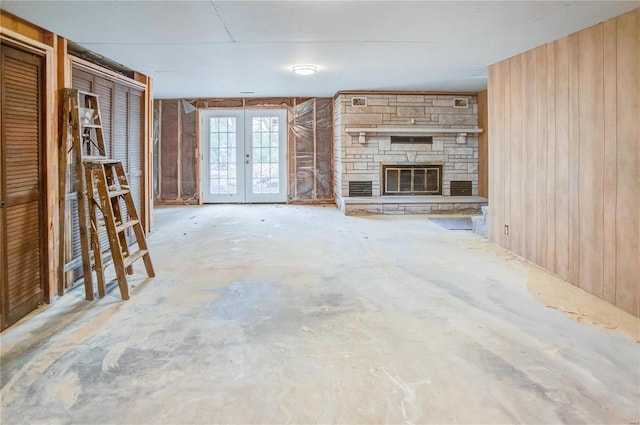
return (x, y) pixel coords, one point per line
(91, 126)
(97, 159)
(86, 93)
(124, 226)
(135, 256)
(114, 193)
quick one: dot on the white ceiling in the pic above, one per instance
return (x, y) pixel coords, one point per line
(221, 48)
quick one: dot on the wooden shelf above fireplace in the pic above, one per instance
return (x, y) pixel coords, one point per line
(361, 133)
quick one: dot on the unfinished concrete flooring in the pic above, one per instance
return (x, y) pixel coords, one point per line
(291, 314)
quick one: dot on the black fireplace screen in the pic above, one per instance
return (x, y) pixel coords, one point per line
(412, 179)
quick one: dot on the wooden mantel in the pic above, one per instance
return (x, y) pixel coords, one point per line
(461, 133)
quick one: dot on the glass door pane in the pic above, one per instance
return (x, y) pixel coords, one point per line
(266, 177)
(223, 147)
(223, 162)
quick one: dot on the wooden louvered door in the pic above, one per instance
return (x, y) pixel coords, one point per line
(22, 256)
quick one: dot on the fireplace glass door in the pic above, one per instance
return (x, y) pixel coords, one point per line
(412, 180)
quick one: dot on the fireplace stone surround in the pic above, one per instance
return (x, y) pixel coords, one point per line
(363, 147)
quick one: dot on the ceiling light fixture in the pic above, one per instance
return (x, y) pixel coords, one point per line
(304, 69)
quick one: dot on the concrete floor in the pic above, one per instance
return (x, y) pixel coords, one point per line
(291, 314)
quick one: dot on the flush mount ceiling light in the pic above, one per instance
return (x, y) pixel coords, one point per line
(304, 69)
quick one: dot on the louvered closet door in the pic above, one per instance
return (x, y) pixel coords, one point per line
(135, 147)
(21, 186)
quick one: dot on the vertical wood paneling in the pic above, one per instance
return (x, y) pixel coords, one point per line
(549, 229)
(591, 167)
(574, 161)
(565, 158)
(506, 152)
(498, 159)
(514, 196)
(529, 154)
(561, 79)
(493, 111)
(541, 160)
(610, 159)
(628, 163)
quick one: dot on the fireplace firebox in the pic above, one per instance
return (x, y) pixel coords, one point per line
(412, 179)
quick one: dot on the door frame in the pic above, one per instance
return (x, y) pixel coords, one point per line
(246, 113)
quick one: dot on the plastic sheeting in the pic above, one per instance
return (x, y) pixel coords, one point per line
(311, 124)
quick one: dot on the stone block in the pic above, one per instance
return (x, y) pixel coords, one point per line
(438, 145)
(361, 119)
(361, 151)
(377, 101)
(410, 111)
(458, 151)
(443, 102)
(360, 165)
(417, 209)
(410, 98)
(450, 119)
(357, 177)
(422, 157)
(362, 209)
(371, 110)
(444, 110)
(463, 208)
(390, 158)
(472, 167)
(385, 144)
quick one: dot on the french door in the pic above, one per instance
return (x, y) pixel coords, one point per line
(244, 155)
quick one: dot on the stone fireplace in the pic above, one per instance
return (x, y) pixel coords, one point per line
(406, 153)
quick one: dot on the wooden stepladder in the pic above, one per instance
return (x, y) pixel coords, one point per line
(107, 182)
(101, 186)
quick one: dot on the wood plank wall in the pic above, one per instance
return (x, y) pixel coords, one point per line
(564, 120)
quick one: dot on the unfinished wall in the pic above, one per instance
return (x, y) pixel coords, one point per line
(309, 152)
(565, 167)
